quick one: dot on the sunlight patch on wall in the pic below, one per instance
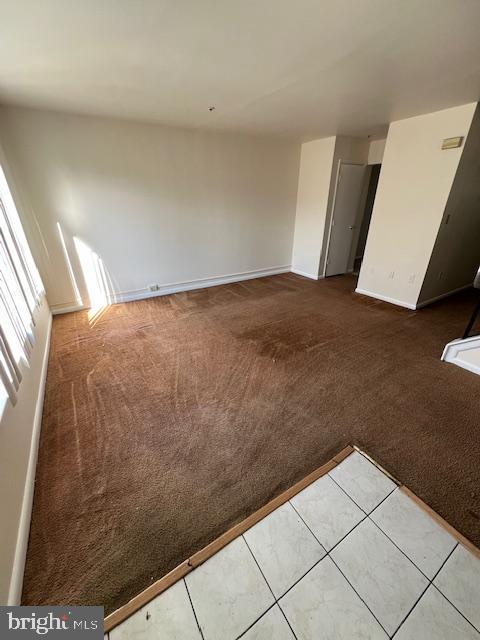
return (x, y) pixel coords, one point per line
(96, 278)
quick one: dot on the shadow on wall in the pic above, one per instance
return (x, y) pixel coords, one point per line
(98, 283)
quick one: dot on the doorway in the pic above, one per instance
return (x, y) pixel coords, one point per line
(351, 215)
(372, 183)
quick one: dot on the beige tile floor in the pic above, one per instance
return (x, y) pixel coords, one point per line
(351, 556)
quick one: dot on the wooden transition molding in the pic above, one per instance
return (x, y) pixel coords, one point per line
(155, 589)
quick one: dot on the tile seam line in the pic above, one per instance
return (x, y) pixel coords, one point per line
(193, 608)
(271, 591)
(345, 577)
(424, 591)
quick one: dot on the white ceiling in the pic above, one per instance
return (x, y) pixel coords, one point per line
(307, 68)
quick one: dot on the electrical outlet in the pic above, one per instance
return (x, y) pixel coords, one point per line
(153, 287)
(440, 275)
(411, 279)
(391, 275)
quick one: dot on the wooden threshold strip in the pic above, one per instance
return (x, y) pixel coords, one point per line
(460, 538)
(207, 552)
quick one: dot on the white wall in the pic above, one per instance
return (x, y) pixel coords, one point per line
(413, 189)
(456, 255)
(376, 151)
(157, 205)
(312, 202)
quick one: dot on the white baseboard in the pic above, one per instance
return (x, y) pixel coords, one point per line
(424, 303)
(16, 580)
(379, 296)
(304, 274)
(56, 309)
(178, 287)
(407, 305)
(191, 285)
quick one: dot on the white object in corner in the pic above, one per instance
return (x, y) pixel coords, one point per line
(16, 581)
(464, 353)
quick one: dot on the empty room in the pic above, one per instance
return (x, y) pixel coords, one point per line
(240, 319)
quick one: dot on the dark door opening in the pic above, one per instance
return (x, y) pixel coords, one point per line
(366, 218)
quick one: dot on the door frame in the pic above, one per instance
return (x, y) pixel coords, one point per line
(334, 199)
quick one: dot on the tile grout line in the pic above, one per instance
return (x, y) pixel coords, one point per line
(250, 626)
(274, 596)
(368, 515)
(359, 596)
(348, 496)
(454, 606)
(327, 554)
(259, 567)
(193, 609)
(302, 577)
(271, 591)
(430, 582)
(402, 551)
(440, 591)
(422, 593)
(287, 620)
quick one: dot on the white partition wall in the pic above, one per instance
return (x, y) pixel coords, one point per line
(415, 183)
(316, 166)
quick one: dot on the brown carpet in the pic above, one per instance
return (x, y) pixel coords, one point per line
(170, 419)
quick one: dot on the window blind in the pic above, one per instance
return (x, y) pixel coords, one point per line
(20, 293)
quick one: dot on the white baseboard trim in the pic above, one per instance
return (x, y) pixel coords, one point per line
(178, 287)
(16, 580)
(304, 274)
(379, 296)
(424, 303)
(56, 309)
(191, 285)
(407, 305)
